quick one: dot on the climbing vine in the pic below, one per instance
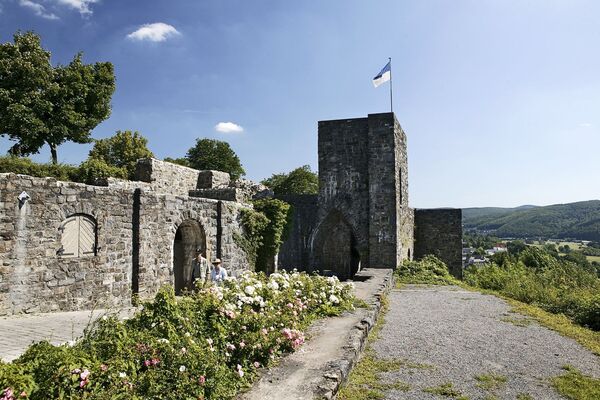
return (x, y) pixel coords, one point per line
(264, 230)
(251, 238)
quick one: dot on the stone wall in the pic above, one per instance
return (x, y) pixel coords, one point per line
(363, 180)
(233, 256)
(344, 178)
(167, 177)
(386, 140)
(406, 231)
(439, 232)
(295, 251)
(137, 234)
(34, 277)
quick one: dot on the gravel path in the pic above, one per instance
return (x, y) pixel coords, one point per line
(463, 334)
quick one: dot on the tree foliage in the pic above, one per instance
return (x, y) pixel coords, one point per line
(579, 220)
(23, 165)
(42, 104)
(122, 150)
(179, 161)
(95, 171)
(299, 181)
(216, 155)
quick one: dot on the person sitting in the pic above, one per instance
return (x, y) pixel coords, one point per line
(218, 274)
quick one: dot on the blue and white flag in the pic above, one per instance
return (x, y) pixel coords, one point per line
(383, 76)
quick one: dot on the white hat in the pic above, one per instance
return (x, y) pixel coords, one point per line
(217, 261)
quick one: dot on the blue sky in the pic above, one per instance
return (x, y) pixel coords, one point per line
(500, 99)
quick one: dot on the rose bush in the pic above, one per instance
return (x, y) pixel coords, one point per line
(205, 345)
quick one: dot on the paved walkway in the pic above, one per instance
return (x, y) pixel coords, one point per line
(18, 332)
(457, 335)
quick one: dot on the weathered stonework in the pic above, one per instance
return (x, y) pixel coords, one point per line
(139, 235)
(439, 232)
(295, 251)
(363, 218)
(362, 213)
(145, 236)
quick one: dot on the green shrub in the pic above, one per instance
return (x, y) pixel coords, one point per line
(254, 224)
(428, 270)
(94, 171)
(14, 378)
(22, 165)
(535, 277)
(208, 344)
(91, 171)
(264, 229)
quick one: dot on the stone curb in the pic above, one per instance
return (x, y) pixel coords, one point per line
(339, 370)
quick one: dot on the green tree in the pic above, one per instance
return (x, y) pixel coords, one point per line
(299, 181)
(179, 161)
(42, 104)
(122, 150)
(216, 155)
(515, 247)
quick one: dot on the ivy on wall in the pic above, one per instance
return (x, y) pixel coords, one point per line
(253, 224)
(264, 230)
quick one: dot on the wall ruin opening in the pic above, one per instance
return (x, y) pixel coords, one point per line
(188, 237)
(336, 249)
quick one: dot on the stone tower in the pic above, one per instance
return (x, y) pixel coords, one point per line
(363, 218)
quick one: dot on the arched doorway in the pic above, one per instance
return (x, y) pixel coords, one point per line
(336, 248)
(188, 237)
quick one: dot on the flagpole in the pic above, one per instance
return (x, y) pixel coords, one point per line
(391, 98)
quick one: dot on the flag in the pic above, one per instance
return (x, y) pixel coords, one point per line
(383, 76)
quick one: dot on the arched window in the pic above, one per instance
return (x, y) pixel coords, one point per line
(78, 238)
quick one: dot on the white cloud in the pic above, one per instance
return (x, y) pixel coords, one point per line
(585, 125)
(228, 127)
(83, 6)
(157, 32)
(38, 9)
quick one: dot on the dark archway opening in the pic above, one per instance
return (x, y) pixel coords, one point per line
(189, 237)
(337, 248)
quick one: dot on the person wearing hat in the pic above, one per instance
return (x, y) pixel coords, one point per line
(199, 266)
(218, 274)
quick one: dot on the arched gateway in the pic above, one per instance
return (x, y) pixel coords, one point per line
(188, 237)
(335, 250)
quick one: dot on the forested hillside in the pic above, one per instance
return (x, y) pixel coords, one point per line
(579, 220)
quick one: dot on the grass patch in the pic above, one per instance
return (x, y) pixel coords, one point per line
(576, 386)
(364, 382)
(593, 258)
(446, 390)
(490, 381)
(559, 323)
(522, 322)
(360, 303)
(524, 396)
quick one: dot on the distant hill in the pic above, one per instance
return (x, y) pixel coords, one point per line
(579, 220)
